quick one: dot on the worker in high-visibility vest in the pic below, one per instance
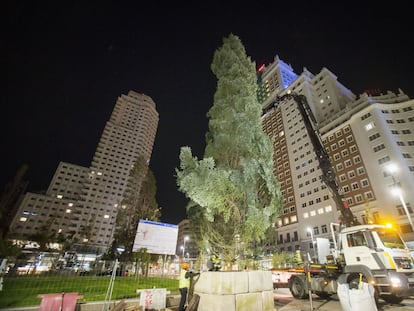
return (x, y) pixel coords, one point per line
(184, 283)
(214, 263)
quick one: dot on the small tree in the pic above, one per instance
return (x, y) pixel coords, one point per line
(234, 194)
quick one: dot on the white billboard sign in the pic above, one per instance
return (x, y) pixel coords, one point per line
(156, 237)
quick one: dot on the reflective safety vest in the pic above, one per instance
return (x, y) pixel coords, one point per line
(183, 282)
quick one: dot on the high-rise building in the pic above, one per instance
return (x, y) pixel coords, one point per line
(363, 136)
(9, 199)
(83, 202)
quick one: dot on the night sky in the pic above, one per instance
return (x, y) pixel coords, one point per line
(67, 62)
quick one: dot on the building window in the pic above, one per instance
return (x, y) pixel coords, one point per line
(369, 126)
(373, 136)
(369, 195)
(358, 198)
(360, 170)
(357, 159)
(355, 186)
(401, 211)
(365, 116)
(384, 160)
(379, 147)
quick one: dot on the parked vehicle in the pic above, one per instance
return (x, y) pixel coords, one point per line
(373, 253)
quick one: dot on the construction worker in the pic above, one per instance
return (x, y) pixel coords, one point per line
(214, 263)
(184, 283)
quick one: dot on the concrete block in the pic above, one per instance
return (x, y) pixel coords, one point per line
(260, 281)
(249, 302)
(268, 300)
(222, 283)
(215, 302)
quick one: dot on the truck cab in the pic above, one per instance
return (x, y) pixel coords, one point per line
(379, 254)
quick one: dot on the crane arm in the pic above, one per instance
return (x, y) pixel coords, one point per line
(328, 175)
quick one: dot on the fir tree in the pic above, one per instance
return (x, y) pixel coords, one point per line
(234, 194)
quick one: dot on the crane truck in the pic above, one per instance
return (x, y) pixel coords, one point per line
(372, 253)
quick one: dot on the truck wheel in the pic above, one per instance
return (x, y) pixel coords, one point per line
(297, 287)
(392, 299)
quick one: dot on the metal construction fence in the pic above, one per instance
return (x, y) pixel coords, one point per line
(111, 280)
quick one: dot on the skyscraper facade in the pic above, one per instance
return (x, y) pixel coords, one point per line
(83, 202)
(363, 135)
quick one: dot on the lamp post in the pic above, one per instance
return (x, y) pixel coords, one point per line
(315, 257)
(396, 190)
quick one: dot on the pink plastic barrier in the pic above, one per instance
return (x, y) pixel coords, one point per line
(59, 302)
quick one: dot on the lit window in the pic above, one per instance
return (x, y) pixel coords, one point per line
(369, 126)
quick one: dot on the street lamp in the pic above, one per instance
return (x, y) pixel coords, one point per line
(313, 243)
(396, 190)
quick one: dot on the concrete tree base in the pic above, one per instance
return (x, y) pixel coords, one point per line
(235, 291)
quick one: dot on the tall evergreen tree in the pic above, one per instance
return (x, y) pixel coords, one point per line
(235, 198)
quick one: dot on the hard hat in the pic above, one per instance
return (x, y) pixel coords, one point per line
(185, 266)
